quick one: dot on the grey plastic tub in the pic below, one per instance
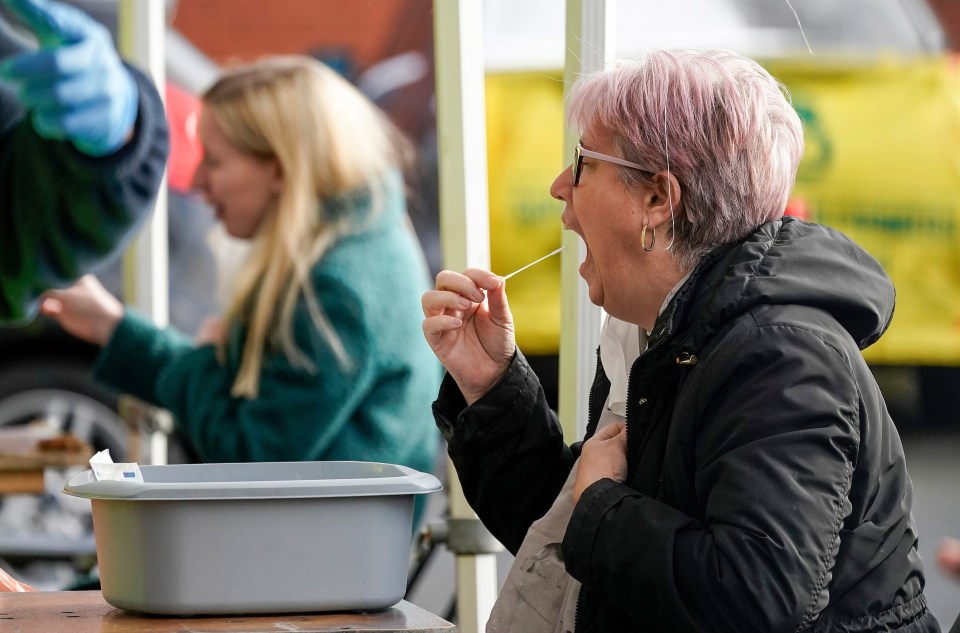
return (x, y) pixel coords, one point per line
(268, 537)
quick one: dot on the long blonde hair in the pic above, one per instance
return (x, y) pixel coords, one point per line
(329, 140)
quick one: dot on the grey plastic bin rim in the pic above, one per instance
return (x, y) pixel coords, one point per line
(407, 481)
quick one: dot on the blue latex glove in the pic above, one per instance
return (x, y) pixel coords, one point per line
(74, 86)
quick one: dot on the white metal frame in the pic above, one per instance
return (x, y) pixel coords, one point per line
(590, 45)
(141, 35)
(464, 229)
(464, 225)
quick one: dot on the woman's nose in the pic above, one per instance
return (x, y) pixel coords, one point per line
(562, 184)
(561, 189)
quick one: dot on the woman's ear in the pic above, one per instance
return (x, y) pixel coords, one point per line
(664, 200)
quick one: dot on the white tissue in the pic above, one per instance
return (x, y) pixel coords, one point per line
(105, 469)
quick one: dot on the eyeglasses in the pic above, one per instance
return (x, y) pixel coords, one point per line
(579, 153)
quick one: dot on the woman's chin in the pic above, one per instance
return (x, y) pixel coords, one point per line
(595, 292)
(596, 298)
(594, 288)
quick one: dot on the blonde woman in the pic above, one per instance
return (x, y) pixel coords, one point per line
(320, 355)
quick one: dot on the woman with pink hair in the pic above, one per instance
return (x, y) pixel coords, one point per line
(740, 471)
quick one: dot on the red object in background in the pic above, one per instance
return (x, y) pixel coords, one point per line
(798, 208)
(183, 110)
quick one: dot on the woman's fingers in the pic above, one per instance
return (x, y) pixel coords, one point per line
(436, 302)
(609, 431)
(464, 284)
(50, 305)
(435, 327)
(496, 294)
(471, 283)
(458, 292)
(473, 343)
(604, 456)
(498, 306)
(85, 309)
(474, 296)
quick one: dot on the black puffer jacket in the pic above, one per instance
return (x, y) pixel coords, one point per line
(767, 489)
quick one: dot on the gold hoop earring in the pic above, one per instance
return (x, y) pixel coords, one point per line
(643, 238)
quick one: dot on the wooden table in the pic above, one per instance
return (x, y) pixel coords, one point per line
(87, 612)
(22, 462)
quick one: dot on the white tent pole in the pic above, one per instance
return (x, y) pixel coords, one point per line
(464, 231)
(142, 28)
(461, 133)
(589, 46)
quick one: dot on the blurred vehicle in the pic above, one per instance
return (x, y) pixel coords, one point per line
(880, 99)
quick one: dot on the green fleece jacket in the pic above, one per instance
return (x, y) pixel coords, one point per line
(369, 284)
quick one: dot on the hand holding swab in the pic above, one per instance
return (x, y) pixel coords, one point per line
(536, 261)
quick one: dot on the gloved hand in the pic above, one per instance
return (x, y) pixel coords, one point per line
(74, 86)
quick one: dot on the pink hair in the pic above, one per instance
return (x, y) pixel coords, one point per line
(734, 141)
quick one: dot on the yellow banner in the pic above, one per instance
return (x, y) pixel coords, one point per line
(882, 165)
(525, 154)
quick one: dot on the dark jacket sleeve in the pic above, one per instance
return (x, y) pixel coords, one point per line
(64, 214)
(777, 413)
(507, 449)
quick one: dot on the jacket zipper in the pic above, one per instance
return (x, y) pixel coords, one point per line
(591, 402)
(640, 402)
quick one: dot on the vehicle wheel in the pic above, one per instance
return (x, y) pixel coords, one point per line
(47, 540)
(61, 393)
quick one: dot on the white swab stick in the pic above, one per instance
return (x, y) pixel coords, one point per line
(536, 261)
